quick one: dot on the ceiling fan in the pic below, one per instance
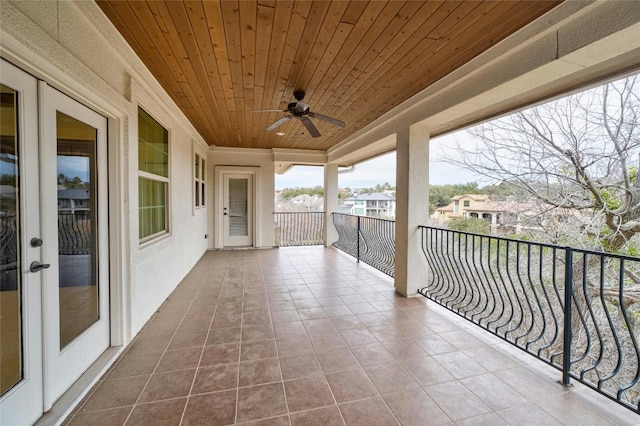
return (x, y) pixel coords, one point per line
(301, 111)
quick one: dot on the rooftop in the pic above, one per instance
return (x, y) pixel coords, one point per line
(74, 194)
(372, 196)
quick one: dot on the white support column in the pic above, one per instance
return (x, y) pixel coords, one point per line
(330, 202)
(412, 207)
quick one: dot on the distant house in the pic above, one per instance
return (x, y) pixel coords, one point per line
(375, 204)
(468, 205)
(300, 203)
(481, 206)
(306, 202)
(73, 200)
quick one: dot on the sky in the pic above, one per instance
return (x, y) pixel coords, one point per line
(382, 169)
(72, 166)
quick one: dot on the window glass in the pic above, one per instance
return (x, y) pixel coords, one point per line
(153, 178)
(153, 145)
(199, 186)
(152, 211)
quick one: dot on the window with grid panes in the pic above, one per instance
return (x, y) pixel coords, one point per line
(199, 179)
(153, 177)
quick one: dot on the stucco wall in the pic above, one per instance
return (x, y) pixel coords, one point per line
(74, 48)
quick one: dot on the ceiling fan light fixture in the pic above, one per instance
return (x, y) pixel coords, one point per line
(280, 133)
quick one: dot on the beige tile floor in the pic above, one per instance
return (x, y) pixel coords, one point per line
(307, 336)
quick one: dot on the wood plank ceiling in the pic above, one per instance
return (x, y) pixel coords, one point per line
(356, 60)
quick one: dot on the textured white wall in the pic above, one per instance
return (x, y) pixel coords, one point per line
(74, 48)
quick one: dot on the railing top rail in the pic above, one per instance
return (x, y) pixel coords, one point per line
(544, 245)
(364, 217)
(298, 212)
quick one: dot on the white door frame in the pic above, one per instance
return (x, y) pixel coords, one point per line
(251, 172)
(63, 366)
(29, 409)
(232, 210)
(25, 400)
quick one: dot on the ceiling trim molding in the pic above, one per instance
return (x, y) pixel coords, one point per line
(300, 156)
(285, 158)
(238, 150)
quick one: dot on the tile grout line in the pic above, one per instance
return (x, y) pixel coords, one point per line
(136, 403)
(284, 389)
(240, 344)
(204, 345)
(315, 355)
(159, 360)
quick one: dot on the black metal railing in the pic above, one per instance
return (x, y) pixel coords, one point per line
(8, 240)
(369, 239)
(577, 310)
(299, 228)
(74, 233)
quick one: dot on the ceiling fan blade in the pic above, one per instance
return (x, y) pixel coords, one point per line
(270, 110)
(279, 122)
(333, 121)
(313, 131)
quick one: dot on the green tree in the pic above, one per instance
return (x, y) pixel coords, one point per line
(7, 179)
(71, 183)
(473, 225)
(289, 193)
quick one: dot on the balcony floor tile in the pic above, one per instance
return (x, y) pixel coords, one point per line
(309, 336)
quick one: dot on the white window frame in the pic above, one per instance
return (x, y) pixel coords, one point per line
(157, 178)
(200, 181)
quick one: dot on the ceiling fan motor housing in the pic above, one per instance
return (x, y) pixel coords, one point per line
(298, 108)
(302, 111)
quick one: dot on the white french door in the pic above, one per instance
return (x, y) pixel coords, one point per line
(21, 380)
(54, 276)
(73, 154)
(237, 210)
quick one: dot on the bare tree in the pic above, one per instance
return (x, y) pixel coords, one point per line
(579, 153)
(579, 156)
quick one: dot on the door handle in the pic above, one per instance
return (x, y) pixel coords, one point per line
(37, 266)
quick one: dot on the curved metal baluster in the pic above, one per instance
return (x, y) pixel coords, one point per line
(600, 356)
(556, 329)
(625, 315)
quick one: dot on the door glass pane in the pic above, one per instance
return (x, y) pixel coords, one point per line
(77, 236)
(238, 224)
(11, 361)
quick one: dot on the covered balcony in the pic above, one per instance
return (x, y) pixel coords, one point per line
(179, 114)
(305, 335)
